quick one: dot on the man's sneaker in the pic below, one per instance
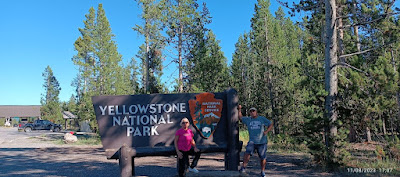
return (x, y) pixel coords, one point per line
(242, 169)
(262, 174)
(194, 170)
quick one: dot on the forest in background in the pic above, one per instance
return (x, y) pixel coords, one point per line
(328, 81)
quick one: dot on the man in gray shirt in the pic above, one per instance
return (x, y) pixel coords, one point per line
(257, 137)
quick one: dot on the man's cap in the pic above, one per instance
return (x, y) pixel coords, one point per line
(252, 108)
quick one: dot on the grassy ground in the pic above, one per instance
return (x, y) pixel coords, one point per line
(364, 157)
(362, 162)
(84, 139)
(276, 144)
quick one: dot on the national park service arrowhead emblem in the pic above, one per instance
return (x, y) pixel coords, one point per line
(206, 113)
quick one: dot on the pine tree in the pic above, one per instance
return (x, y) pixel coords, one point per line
(182, 21)
(266, 73)
(107, 58)
(71, 105)
(51, 108)
(341, 47)
(84, 59)
(101, 71)
(208, 68)
(240, 68)
(151, 52)
(287, 54)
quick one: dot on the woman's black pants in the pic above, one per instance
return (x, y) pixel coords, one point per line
(184, 162)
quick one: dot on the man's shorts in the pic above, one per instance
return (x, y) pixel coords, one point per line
(261, 149)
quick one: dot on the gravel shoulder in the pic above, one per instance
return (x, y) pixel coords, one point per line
(29, 154)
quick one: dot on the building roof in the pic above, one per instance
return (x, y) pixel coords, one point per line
(69, 115)
(19, 111)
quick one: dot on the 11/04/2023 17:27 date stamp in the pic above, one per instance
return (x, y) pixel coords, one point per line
(369, 170)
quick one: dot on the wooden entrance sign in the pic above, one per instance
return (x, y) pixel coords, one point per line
(145, 125)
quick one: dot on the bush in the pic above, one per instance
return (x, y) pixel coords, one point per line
(287, 143)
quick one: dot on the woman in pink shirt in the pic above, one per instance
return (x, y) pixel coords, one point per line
(183, 146)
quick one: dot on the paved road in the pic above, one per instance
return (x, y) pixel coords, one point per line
(29, 154)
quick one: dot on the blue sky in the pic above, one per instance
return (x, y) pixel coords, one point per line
(38, 33)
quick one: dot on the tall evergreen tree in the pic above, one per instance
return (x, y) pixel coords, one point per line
(51, 108)
(341, 47)
(101, 71)
(107, 58)
(150, 52)
(240, 68)
(266, 73)
(182, 21)
(84, 58)
(208, 68)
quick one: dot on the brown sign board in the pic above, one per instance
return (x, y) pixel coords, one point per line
(152, 120)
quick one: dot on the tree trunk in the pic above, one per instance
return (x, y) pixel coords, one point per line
(331, 80)
(392, 127)
(341, 33)
(47, 89)
(352, 135)
(354, 10)
(85, 70)
(146, 79)
(368, 131)
(243, 84)
(383, 125)
(180, 80)
(395, 70)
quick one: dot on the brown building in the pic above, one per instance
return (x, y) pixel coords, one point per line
(15, 114)
(18, 113)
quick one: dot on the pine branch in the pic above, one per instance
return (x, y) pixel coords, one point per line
(343, 17)
(357, 53)
(383, 16)
(172, 55)
(308, 75)
(365, 51)
(348, 80)
(357, 69)
(352, 67)
(172, 61)
(298, 7)
(170, 77)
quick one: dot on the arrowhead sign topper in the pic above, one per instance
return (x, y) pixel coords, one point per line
(206, 113)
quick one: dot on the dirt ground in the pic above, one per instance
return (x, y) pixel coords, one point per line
(28, 154)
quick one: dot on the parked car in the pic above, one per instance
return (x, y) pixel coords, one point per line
(40, 125)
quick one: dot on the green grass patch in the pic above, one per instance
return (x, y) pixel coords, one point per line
(286, 144)
(244, 136)
(82, 140)
(278, 143)
(91, 140)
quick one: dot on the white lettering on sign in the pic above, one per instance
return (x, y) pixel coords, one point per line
(111, 110)
(142, 120)
(143, 109)
(142, 131)
(154, 130)
(103, 110)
